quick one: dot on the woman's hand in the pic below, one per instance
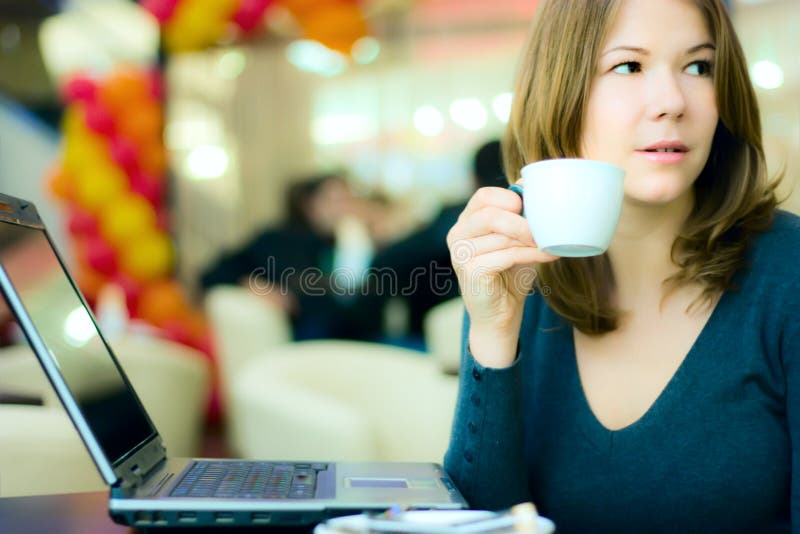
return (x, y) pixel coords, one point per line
(494, 256)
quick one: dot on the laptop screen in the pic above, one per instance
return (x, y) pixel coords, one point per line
(66, 328)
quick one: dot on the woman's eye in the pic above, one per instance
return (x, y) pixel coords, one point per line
(629, 67)
(700, 68)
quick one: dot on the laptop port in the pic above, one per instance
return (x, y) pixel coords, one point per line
(261, 518)
(159, 519)
(187, 517)
(142, 518)
(223, 517)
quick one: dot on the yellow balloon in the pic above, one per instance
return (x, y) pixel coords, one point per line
(214, 31)
(126, 218)
(81, 151)
(195, 25)
(97, 189)
(177, 40)
(220, 9)
(77, 132)
(73, 121)
(147, 258)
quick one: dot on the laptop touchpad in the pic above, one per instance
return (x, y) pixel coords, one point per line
(371, 482)
(386, 482)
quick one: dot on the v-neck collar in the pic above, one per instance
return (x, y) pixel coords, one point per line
(602, 437)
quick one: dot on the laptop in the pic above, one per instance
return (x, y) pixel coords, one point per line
(150, 488)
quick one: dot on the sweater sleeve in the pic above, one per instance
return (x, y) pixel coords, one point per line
(234, 264)
(485, 458)
(791, 361)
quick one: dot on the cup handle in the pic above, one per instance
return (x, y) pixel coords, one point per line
(518, 190)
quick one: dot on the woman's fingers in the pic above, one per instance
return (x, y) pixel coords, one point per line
(492, 220)
(490, 235)
(493, 196)
(494, 253)
(500, 260)
(465, 250)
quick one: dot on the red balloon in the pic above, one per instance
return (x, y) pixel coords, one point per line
(124, 153)
(80, 89)
(177, 331)
(249, 13)
(99, 120)
(205, 344)
(163, 220)
(150, 187)
(162, 10)
(156, 85)
(100, 256)
(81, 223)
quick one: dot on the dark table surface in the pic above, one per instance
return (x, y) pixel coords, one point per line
(84, 513)
(67, 514)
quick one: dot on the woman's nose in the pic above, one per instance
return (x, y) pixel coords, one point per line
(667, 97)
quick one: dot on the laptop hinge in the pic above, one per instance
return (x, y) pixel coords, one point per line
(135, 469)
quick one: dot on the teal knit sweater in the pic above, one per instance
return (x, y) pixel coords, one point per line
(718, 451)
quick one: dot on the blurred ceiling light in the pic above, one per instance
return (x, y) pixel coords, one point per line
(178, 135)
(231, 64)
(428, 121)
(345, 128)
(206, 162)
(78, 327)
(92, 36)
(767, 75)
(366, 50)
(469, 113)
(193, 122)
(501, 105)
(311, 56)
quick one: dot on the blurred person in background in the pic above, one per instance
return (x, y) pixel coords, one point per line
(420, 262)
(290, 265)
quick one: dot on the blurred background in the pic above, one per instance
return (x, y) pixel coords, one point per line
(173, 146)
(429, 82)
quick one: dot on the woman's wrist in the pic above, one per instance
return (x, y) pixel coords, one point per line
(492, 346)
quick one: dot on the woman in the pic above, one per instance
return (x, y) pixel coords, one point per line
(655, 387)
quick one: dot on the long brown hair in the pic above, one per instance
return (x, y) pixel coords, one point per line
(733, 196)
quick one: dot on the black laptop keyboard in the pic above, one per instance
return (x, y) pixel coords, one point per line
(257, 480)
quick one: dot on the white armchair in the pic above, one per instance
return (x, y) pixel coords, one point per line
(40, 451)
(341, 400)
(442, 328)
(325, 399)
(243, 326)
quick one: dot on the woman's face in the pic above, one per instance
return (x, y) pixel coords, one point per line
(653, 89)
(329, 204)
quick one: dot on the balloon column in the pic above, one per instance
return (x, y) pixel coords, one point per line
(197, 24)
(111, 178)
(337, 24)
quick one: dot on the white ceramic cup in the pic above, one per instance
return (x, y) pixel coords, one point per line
(572, 205)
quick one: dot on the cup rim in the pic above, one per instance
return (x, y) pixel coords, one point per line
(577, 161)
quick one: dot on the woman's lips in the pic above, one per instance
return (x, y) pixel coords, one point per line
(663, 157)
